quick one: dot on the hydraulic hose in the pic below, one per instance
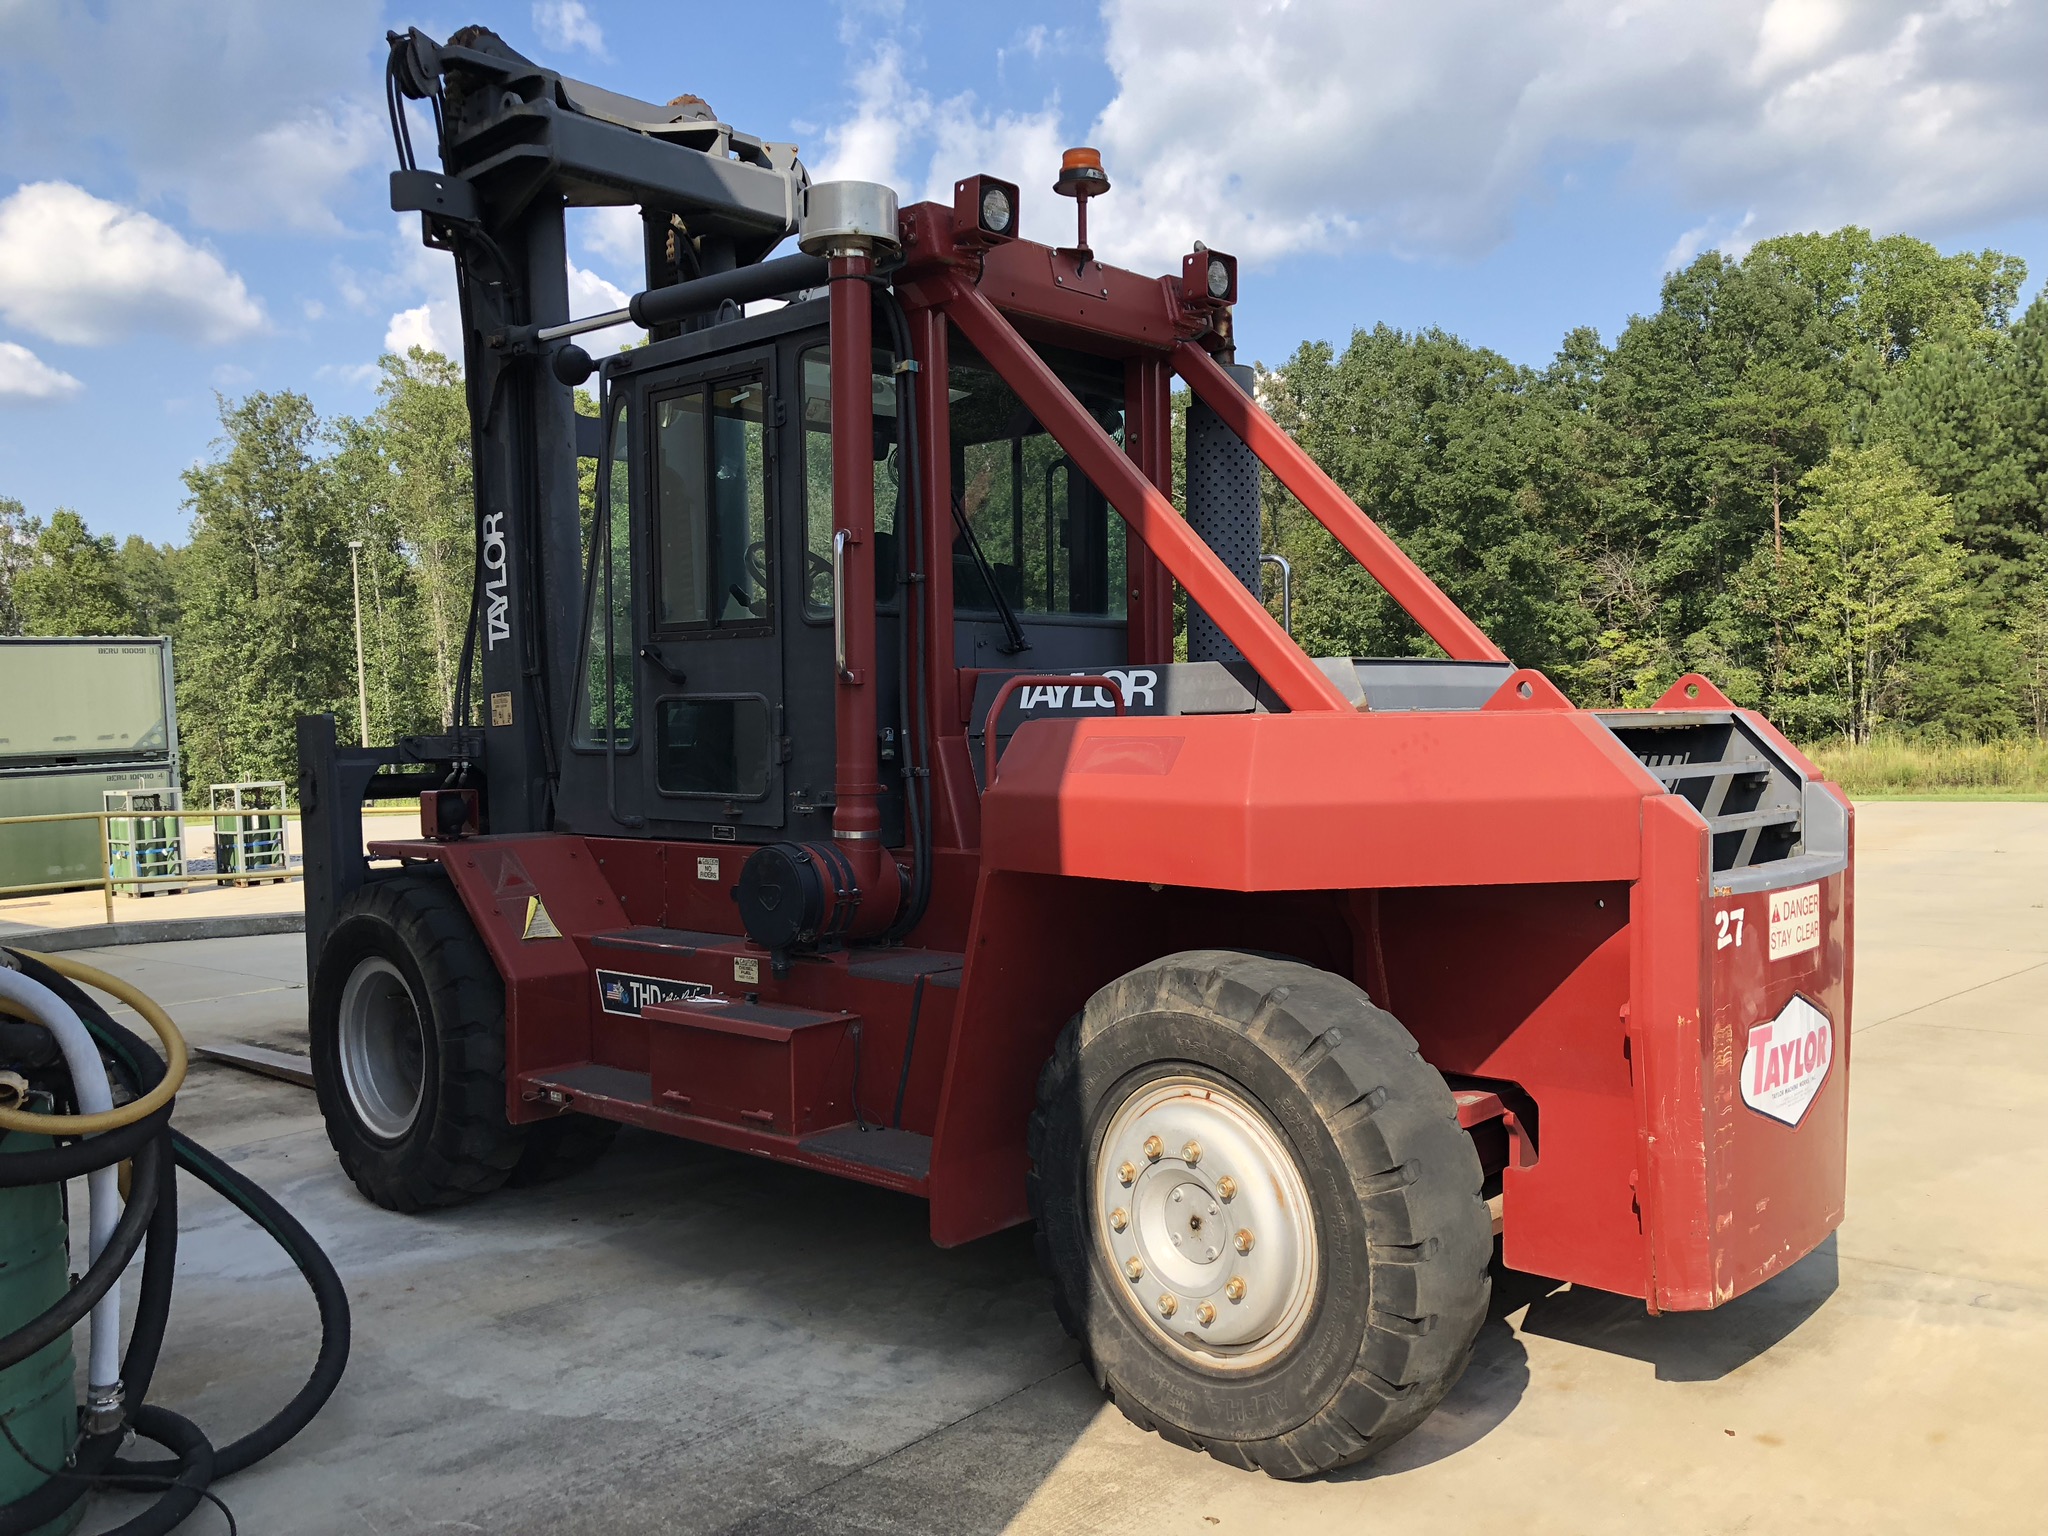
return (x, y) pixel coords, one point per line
(152, 1216)
(89, 1086)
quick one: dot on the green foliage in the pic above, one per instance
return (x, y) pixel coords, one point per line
(1628, 513)
(70, 584)
(265, 634)
(421, 431)
(17, 539)
(1872, 562)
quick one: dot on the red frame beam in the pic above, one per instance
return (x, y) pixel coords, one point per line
(1422, 599)
(1242, 617)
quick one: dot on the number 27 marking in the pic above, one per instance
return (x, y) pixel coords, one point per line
(1723, 920)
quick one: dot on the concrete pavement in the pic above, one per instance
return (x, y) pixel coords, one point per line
(686, 1340)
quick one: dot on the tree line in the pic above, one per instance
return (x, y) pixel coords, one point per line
(1817, 473)
(259, 600)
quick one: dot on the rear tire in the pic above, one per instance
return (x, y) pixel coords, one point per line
(408, 1034)
(1218, 1087)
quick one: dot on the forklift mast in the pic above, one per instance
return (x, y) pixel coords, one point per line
(520, 145)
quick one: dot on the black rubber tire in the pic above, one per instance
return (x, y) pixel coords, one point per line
(460, 1145)
(1393, 1181)
(557, 1148)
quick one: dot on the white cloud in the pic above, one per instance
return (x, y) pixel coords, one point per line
(435, 326)
(896, 124)
(568, 24)
(247, 116)
(590, 294)
(1267, 127)
(286, 173)
(361, 375)
(615, 237)
(436, 323)
(888, 113)
(79, 269)
(26, 378)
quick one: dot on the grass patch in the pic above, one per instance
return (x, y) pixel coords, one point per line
(1896, 769)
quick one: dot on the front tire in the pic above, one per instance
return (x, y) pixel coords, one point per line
(407, 1021)
(1261, 1216)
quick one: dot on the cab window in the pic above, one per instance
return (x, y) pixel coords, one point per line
(713, 557)
(1046, 537)
(817, 376)
(608, 631)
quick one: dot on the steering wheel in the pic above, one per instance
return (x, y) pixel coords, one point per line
(817, 573)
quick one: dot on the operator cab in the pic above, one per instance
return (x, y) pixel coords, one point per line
(708, 594)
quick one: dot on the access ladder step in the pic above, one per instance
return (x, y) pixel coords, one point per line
(904, 1153)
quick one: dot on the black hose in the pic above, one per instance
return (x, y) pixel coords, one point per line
(255, 1202)
(913, 643)
(195, 1462)
(70, 1309)
(74, 1160)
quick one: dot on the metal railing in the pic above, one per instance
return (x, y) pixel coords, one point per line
(108, 881)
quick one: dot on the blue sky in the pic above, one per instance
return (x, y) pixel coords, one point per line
(192, 191)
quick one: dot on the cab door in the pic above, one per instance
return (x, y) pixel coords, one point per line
(710, 662)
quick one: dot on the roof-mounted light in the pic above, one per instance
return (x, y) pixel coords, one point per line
(1208, 278)
(984, 211)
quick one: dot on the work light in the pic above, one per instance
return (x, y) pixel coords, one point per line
(984, 211)
(1208, 277)
(996, 212)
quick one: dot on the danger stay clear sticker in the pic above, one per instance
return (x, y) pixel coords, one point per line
(1795, 920)
(1787, 1061)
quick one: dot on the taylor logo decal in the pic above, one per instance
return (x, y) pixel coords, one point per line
(497, 608)
(618, 992)
(1787, 1061)
(1137, 686)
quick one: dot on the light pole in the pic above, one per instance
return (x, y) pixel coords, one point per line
(355, 577)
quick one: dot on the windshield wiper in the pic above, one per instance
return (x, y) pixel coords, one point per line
(1014, 640)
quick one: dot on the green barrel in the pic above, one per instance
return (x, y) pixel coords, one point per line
(36, 1395)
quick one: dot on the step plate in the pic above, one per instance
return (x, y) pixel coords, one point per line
(898, 1152)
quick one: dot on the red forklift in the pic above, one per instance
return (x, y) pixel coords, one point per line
(837, 796)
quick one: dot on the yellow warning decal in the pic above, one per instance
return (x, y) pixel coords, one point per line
(538, 924)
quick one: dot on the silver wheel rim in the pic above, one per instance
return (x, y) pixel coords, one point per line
(383, 1049)
(1204, 1216)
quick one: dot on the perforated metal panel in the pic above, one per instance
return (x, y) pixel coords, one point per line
(1223, 507)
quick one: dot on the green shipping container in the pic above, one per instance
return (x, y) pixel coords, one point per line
(100, 699)
(63, 850)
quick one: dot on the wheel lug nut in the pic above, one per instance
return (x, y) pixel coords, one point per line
(1233, 1287)
(1135, 1267)
(1154, 1148)
(1205, 1314)
(1168, 1305)
(1244, 1240)
(1119, 1218)
(1191, 1154)
(1177, 1195)
(1226, 1187)
(1126, 1174)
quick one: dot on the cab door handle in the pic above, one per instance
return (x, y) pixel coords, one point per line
(655, 659)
